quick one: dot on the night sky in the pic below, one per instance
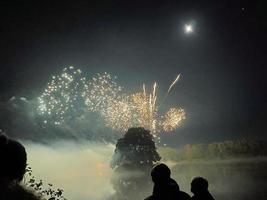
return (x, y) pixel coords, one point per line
(222, 64)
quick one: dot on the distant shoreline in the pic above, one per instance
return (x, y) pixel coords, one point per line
(258, 159)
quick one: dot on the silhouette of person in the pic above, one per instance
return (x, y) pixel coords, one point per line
(13, 161)
(13, 158)
(165, 188)
(199, 187)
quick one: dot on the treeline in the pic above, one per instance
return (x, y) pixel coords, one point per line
(242, 148)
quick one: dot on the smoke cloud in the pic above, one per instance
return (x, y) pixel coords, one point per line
(19, 119)
(81, 169)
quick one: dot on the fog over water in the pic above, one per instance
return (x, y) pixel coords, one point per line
(82, 170)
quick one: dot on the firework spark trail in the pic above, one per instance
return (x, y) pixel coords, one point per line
(144, 89)
(70, 94)
(168, 91)
(173, 83)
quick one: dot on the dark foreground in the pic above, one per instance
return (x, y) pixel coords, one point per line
(240, 179)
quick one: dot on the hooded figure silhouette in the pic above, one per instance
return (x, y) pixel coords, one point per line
(165, 188)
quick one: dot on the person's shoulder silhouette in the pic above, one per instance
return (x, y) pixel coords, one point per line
(199, 187)
(13, 159)
(165, 188)
(184, 196)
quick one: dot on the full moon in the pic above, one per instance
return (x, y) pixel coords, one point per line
(188, 28)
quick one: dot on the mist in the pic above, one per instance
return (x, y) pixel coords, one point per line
(81, 169)
(238, 178)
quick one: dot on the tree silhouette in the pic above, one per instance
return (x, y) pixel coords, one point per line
(132, 162)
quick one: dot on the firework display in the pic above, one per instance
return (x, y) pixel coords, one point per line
(71, 94)
(99, 90)
(133, 110)
(172, 119)
(62, 97)
(141, 110)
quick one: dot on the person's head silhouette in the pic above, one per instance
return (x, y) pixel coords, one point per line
(199, 185)
(160, 173)
(13, 159)
(164, 186)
